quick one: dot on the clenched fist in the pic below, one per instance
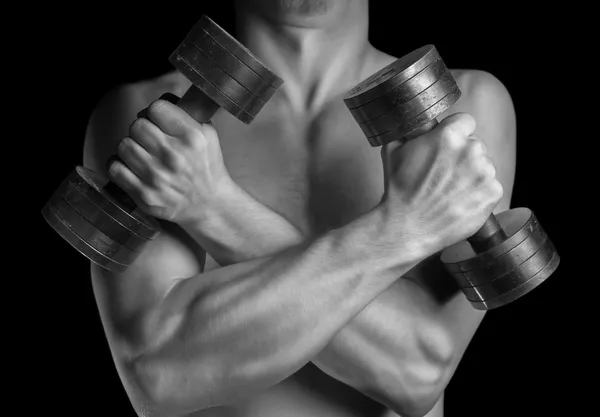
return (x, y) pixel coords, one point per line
(440, 186)
(173, 166)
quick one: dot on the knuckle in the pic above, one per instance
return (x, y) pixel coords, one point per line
(174, 160)
(146, 197)
(114, 169)
(463, 121)
(209, 131)
(491, 170)
(195, 135)
(139, 126)
(156, 107)
(446, 140)
(466, 120)
(498, 190)
(486, 166)
(116, 172)
(458, 127)
(476, 147)
(124, 146)
(451, 137)
(483, 146)
(155, 178)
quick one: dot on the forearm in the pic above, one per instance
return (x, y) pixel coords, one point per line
(389, 365)
(395, 351)
(245, 327)
(236, 228)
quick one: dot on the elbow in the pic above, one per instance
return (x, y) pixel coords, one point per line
(168, 391)
(421, 405)
(414, 388)
(154, 397)
(418, 390)
(151, 386)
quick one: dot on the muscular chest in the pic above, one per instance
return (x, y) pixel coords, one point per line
(319, 173)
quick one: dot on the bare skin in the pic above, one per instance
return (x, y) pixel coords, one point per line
(302, 169)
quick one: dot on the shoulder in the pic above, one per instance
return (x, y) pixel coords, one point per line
(487, 99)
(110, 120)
(173, 254)
(483, 95)
(480, 83)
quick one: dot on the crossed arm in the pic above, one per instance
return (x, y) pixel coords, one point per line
(403, 348)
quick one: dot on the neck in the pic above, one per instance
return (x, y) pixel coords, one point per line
(316, 63)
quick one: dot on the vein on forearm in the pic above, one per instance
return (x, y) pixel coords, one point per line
(242, 229)
(383, 330)
(255, 323)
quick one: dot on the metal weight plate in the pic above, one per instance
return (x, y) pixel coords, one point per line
(239, 50)
(209, 89)
(428, 115)
(522, 290)
(390, 76)
(517, 223)
(222, 81)
(229, 63)
(78, 243)
(512, 258)
(400, 94)
(100, 219)
(89, 233)
(90, 184)
(514, 278)
(402, 113)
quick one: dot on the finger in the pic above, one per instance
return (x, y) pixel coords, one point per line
(138, 161)
(462, 124)
(476, 146)
(121, 175)
(156, 142)
(395, 144)
(483, 167)
(171, 119)
(149, 136)
(170, 97)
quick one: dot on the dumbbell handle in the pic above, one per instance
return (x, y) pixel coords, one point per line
(195, 103)
(490, 234)
(198, 105)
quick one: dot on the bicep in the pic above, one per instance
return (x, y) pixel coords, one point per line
(125, 298)
(109, 123)
(489, 102)
(126, 302)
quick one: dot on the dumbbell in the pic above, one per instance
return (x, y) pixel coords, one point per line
(510, 254)
(98, 218)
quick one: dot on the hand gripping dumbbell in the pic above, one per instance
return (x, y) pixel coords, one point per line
(99, 219)
(511, 254)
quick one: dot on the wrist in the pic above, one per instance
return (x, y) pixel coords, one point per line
(386, 248)
(205, 219)
(234, 227)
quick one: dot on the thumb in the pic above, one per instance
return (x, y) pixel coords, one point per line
(389, 155)
(170, 97)
(461, 123)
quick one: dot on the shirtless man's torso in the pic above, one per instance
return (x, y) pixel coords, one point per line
(316, 169)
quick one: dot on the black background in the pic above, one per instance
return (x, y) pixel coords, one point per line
(515, 363)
